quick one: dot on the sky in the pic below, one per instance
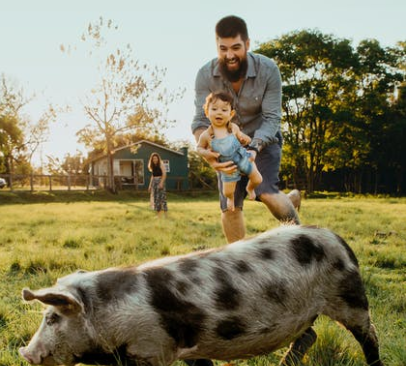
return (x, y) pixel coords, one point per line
(174, 34)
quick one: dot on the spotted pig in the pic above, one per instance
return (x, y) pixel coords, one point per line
(246, 299)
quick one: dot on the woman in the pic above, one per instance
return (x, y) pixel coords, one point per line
(157, 183)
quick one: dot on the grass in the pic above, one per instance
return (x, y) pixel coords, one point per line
(41, 241)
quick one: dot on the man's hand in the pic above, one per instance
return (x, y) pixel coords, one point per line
(226, 166)
(211, 157)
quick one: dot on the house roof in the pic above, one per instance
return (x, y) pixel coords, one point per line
(149, 143)
(138, 143)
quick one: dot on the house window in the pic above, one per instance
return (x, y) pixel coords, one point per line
(131, 171)
(167, 166)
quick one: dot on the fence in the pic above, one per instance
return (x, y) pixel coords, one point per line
(45, 182)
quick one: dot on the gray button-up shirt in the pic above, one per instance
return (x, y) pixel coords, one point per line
(258, 103)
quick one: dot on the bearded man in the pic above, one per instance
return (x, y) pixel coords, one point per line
(254, 81)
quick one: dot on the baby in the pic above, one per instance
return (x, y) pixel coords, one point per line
(224, 140)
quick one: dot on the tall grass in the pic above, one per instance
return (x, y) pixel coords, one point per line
(40, 242)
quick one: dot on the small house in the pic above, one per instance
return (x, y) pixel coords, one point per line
(130, 166)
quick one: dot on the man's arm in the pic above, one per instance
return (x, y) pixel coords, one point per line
(202, 90)
(271, 108)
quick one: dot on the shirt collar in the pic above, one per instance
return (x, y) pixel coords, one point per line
(251, 72)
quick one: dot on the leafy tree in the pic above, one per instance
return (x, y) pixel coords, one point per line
(11, 132)
(380, 76)
(318, 74)
(19, 137)
(70, 164)
(336, 104)
(128, 99)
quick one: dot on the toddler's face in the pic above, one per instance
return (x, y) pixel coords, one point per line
(219, 113)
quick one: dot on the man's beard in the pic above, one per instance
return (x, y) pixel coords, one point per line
(234, 75)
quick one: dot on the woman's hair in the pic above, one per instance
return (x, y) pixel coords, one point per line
(232, 26)
(151, 163)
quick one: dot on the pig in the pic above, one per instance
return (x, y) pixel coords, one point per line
(245, 299)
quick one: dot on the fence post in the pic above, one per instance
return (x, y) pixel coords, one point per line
(10, 182)
(50, 183)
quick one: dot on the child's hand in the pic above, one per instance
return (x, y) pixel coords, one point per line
(245, 140)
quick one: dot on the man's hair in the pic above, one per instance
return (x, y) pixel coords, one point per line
(232, 26)
(224, 96)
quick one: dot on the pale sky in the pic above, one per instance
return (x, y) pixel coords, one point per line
(173, 34)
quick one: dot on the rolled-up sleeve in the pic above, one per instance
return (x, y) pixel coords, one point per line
(202, 90)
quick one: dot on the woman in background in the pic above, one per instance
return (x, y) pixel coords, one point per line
(157, 183)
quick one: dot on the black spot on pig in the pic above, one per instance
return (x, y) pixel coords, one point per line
(276, 292)
(266, 254)
(242, 266)
(188, 266)
(230, 328)
(181, 319)
(352, 290)
(226, 296)
(115, 284)
(306, 251)
(339, 265)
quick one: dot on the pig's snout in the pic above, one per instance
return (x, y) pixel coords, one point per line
(24, 352)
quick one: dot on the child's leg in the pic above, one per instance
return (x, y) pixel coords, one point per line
(228, 191)
(255, 179)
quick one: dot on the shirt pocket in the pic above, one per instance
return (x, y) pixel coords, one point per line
(250, 104)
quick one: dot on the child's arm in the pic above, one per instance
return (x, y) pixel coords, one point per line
(241, 136)
(202, 147)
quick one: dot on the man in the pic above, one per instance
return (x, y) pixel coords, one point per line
(255, 83)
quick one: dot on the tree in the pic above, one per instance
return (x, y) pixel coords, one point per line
(69, 165)
(318, 75)
(380, 76)
(336, 104)
(19, 136)
(128, 99)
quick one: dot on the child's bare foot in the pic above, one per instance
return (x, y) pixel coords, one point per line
(230, 204)
(251, 193)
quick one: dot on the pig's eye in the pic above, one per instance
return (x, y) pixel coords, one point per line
(52, 319)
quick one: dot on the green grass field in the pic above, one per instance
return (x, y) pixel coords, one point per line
(40, 242)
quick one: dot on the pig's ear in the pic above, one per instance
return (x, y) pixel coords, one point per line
(51, 296)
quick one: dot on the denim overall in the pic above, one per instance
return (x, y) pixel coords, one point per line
(230, 149)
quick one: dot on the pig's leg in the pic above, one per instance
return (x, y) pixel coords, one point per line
(299, 348)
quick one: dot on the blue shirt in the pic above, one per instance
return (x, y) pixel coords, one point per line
(258, 103)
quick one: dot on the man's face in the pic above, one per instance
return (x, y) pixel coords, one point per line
(232, 55)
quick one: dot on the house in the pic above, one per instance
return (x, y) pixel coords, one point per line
(130, 166)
